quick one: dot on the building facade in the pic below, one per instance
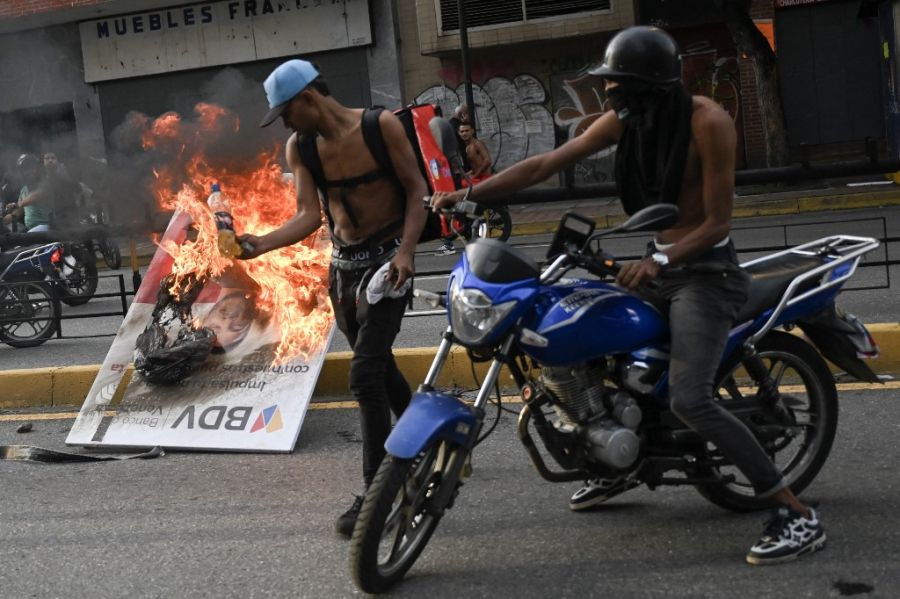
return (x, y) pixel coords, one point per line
(74, 69)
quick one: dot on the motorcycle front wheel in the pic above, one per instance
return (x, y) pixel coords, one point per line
(27, 314)
(111, 254)
(397, 518)
(798, 449)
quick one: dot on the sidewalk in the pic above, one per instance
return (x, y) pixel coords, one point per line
(67, 386)
(535, 219)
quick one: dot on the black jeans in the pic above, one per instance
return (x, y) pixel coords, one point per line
(375, 381)
(703, 298)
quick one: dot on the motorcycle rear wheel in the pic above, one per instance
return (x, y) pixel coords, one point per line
(78, 287)
(397, 520)
(27, 314)
(807, 387)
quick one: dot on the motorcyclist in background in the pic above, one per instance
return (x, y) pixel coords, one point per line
(35, 204)
(680, 149)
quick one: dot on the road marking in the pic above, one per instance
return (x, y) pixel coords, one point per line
(346, 405)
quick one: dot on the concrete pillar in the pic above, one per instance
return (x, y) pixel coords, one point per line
(385, 68)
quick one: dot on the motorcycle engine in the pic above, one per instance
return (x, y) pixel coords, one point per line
(605, 418)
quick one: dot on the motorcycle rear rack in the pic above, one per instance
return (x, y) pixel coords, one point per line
(849, 248)
(28, 255)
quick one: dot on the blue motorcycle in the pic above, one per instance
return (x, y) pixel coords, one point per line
(598, 402)
(29, 310)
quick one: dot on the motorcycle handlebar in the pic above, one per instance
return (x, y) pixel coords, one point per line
(464, 207)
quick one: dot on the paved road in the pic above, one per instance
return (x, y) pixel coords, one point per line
(244, 525)
(877, 305)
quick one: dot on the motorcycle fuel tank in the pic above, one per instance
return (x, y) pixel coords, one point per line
(581, 320)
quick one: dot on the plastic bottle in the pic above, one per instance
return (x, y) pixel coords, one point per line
(228, 245)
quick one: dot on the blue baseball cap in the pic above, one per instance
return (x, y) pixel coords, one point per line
(285, 82)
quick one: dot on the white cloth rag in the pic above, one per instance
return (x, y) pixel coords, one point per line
(381, 285)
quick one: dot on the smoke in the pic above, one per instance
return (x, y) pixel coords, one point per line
(223, 128)
(41, 79)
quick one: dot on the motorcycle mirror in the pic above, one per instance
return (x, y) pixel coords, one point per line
(652, 218)
(443, 134)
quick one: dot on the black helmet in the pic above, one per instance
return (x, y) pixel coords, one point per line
(27, 161)
(645, 53)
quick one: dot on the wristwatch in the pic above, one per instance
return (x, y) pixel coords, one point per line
(660, 259)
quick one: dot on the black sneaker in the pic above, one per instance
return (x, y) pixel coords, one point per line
(787, 536)
(598, 490)
(347, 520)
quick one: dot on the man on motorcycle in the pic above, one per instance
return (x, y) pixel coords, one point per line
(35, 206)
(375, 216)
(677, 148)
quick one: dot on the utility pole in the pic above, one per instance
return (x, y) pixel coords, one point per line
(467, 74)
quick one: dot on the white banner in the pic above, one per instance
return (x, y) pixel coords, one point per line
(237, 398)
(218, 33)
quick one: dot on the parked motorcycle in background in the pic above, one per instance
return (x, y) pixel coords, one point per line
(598, 402)
(28, 310)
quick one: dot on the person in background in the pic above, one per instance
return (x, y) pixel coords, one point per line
(461, 117)
(477, 153)
(35, 205)
(65, 191)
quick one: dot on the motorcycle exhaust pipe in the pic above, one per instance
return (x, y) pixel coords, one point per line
(534, 454)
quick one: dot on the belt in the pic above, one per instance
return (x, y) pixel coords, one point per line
(364, 255)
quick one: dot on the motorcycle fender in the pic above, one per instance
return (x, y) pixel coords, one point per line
(840, 338)
(430, 416)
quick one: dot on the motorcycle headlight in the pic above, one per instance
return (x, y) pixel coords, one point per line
(472, 315)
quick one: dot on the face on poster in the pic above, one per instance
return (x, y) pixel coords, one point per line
(235, 396)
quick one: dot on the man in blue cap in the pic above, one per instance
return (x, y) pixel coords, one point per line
(374, 209)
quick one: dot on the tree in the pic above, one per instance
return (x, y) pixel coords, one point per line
(752, 43)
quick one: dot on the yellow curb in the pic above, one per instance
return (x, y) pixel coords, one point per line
(69, 385)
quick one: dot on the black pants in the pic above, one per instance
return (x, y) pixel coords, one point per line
(375, 381)
(703, 298)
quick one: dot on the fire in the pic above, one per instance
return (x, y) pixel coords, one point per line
(292, 281)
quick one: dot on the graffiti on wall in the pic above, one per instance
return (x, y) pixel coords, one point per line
(513, 119)
(518, 118)
(579, 100)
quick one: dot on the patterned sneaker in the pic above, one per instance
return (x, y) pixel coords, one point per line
(598, 490)
(787, 536)
(347, 520)
(446, 249)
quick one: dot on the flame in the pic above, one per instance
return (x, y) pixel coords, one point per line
(293, 280)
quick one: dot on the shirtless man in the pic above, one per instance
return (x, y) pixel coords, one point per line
(375, 216)
(676, 148)
(476, 152)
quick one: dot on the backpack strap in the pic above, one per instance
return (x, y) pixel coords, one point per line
(374, 138)
(309, 156)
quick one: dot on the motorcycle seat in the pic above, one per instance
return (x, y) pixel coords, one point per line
(770, 279)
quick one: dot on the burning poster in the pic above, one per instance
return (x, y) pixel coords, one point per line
(226, 352)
